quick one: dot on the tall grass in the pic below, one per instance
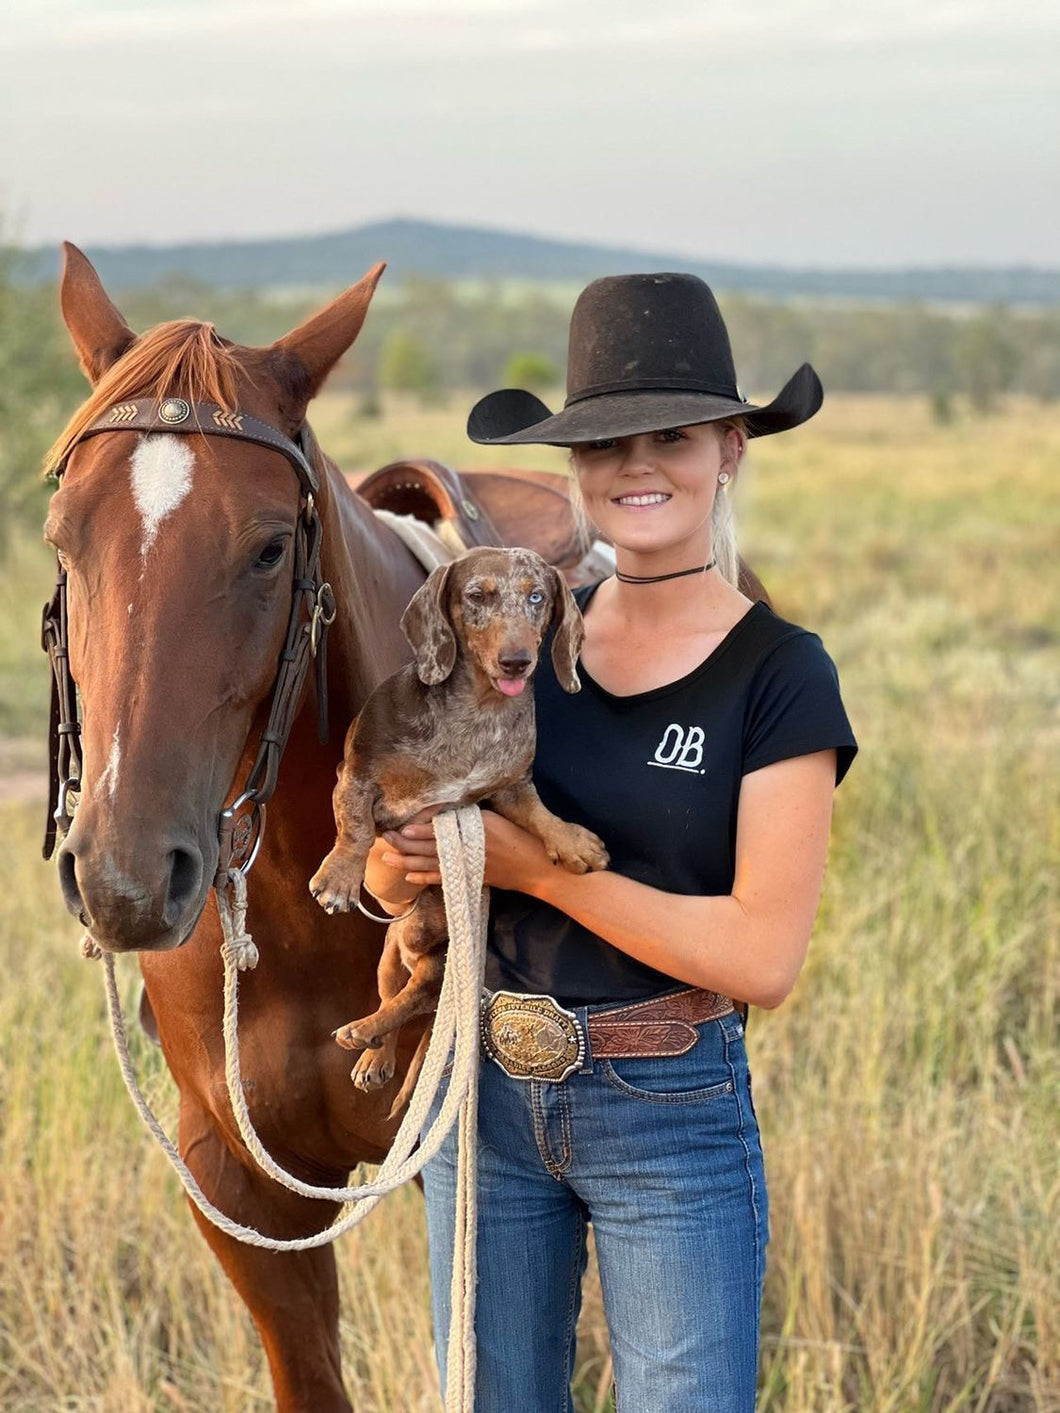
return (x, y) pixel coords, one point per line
(907, 1091)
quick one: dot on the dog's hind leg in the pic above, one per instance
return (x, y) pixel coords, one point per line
(412, 1074)
(420, 937)
(376, 1066)
(418, 996)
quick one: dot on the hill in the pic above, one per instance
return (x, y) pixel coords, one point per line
(459, 252)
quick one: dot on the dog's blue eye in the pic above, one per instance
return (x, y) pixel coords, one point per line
(536, 596)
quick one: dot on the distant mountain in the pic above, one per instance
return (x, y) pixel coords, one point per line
(465, 252)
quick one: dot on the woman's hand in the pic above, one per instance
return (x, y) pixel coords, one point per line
(401, 863)
(405, 861)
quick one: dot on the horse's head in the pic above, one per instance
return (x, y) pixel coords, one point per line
(180, 552)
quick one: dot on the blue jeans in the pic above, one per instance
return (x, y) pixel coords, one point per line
(663, 1157)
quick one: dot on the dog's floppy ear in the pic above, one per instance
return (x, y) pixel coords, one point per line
(425, 623)
(568, 636)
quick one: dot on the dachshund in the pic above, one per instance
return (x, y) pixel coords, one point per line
(453, 727)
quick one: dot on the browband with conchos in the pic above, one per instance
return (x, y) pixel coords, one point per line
(175, 414)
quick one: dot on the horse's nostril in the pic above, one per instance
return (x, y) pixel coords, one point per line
(185, 875)
(75, 904)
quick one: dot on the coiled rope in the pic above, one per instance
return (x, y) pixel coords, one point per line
(461, 855)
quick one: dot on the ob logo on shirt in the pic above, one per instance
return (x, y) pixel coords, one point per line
(681, 748)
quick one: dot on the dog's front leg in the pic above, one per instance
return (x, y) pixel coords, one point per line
(337, 881)
(576, 848)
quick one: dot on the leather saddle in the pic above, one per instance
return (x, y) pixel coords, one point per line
(468, 508)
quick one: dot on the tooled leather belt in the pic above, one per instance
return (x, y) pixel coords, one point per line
(533, 1037)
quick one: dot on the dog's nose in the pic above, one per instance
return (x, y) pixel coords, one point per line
(514, 664)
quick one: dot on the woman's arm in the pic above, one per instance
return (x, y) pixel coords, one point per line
(749, 944)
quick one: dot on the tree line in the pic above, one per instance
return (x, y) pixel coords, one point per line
(429, 338)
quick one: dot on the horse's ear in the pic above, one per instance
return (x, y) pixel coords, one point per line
(99, 332)
(568, 636)
(319, 343)
(425, 623)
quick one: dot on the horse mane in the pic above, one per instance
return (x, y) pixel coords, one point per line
(181, 356)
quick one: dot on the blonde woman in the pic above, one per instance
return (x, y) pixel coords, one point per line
(704, 748)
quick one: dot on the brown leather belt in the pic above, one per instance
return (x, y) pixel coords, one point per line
(534, 1037)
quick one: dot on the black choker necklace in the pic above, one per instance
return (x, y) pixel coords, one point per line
(658, 578)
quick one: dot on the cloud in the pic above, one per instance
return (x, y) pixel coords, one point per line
(819, 127)
(371, 27)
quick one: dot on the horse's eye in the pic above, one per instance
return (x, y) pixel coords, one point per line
(272, 553)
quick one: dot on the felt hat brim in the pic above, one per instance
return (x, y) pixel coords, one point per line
(513, 417)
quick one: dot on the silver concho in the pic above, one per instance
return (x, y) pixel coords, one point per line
(531, 1037)
(174, 411)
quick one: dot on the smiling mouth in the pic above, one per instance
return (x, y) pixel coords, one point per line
(644, 499)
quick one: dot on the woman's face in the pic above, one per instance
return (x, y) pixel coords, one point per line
(655, 490)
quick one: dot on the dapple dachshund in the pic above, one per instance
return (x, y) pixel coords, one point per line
(454, 727)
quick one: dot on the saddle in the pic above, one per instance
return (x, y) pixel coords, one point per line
(469, 508)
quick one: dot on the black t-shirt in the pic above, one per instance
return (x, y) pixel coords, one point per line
(657, 776)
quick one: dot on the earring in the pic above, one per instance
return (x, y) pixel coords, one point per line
(723, 476)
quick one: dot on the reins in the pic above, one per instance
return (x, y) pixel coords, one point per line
(461, 853)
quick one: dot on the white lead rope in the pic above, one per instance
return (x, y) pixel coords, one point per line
(461, 855)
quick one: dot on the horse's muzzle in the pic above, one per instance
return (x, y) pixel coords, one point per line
(145, 904)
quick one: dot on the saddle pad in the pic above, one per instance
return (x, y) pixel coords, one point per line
(441, 544)
(428, 546)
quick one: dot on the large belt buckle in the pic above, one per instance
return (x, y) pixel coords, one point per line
(531, 1037)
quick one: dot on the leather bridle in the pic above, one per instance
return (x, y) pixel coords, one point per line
(242, 824)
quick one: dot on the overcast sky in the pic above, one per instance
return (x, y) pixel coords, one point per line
(798, 132)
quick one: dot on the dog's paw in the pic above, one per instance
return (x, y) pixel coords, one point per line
(578, 850)
(374, 1069)
(358, 1035)
(336, 883)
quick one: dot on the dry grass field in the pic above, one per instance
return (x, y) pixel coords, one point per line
(908, 1090)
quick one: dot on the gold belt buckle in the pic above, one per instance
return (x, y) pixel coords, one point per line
(531, 1037)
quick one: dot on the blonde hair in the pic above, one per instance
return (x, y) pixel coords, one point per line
(722, 519)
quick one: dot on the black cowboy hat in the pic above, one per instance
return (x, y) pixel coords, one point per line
(646, 352)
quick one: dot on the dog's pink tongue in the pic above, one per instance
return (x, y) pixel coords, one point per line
(511, 686)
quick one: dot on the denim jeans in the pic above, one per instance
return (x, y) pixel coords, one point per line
(663, 1157)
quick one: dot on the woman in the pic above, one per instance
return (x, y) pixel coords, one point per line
(704, 749)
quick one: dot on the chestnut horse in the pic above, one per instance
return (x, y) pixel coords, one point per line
(178, 550)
